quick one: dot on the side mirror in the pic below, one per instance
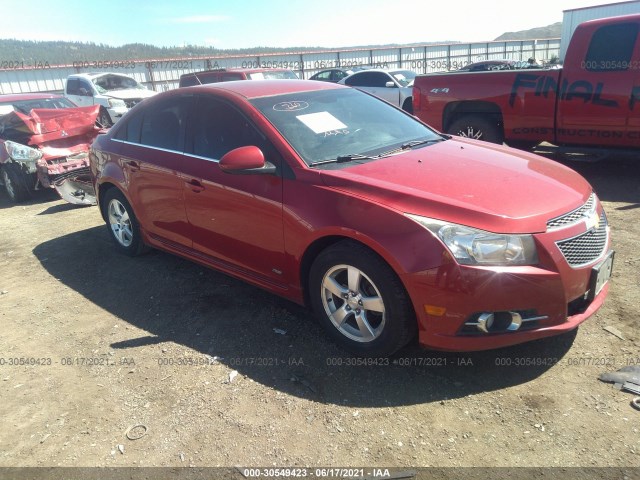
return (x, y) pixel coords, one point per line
(247, 160)
(390, 84)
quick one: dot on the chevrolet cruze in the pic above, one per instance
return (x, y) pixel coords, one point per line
(335, 199)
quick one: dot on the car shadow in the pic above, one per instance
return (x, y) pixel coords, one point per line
(268, 339)
(36, 198)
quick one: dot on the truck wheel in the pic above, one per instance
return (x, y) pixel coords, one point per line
(15, 182)
(104, 119)
(360, 301)
(478, 127)
(407, 106)
(122, 224)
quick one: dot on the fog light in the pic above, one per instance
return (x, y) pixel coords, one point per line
(491, 322)
(485, 322)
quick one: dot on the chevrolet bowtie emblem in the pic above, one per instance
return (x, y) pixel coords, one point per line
(592, 220)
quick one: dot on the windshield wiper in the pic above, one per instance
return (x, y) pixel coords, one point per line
(343, 159)
(410, 145)
(415, 143)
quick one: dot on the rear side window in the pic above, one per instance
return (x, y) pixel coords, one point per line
(189, 81)
(164, 123)
(611, 47)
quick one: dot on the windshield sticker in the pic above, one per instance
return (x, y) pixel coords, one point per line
(256, 76)
(321, 122)
(290, 106)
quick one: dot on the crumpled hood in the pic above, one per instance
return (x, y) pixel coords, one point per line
(130, 93)
(45, 125)
(472, 183)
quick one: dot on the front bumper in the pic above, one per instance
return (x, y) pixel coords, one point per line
(551, 298)
(70, 177)
(116, 113)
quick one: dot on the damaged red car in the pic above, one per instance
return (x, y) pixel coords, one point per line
(44, 143)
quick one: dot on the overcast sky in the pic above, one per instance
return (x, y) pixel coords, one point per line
(275, 23)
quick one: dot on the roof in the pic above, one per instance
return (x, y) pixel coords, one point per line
(266, 88)
(91, 76)
(16, 97)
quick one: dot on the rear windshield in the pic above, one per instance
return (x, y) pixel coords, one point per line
(25, 106)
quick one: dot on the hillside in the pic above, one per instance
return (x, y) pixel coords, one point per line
(550, 31)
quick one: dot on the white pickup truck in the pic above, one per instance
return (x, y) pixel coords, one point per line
(115, 93)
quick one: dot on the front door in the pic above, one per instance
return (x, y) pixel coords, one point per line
(236, 220)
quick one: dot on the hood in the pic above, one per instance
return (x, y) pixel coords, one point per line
(44, 125)
(471, 183)
(130, 93)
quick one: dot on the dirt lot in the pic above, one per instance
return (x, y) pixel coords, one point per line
(154, 340)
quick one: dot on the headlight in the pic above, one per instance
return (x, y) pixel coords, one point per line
(22, 153)
(470, 246)
(116, 102)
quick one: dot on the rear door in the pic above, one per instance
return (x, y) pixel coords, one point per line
(599, 85)
(151, 148)
(236, 220)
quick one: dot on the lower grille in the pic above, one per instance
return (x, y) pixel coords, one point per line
(587, 247)
(78, 173)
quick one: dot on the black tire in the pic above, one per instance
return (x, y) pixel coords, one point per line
(407, 106)
(15, 182)
(122, 224)
(377, 286)
(104, 119)
(478, 127)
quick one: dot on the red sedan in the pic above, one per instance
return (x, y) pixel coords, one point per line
(332, 198)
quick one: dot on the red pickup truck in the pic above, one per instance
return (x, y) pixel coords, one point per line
(593, 101)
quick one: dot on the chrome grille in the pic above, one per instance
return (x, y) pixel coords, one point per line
(573, 216)
(587, 247)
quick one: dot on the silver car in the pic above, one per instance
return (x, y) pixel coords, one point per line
(394, 86)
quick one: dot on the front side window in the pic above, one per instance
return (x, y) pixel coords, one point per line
(368, 79)
(218, 128)
(322, 125)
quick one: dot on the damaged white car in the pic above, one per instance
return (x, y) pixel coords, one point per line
(44, 143)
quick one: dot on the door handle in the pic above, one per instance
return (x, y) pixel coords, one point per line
(195, 185)
(133, 166)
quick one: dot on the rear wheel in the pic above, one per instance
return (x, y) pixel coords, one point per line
(360, 301)
(15, 182)
(407, 106)
(478, 127)
(122, 224)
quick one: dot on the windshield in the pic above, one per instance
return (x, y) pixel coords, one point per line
(403, 77)
(326, 124)
(107, 83)
(25, 106)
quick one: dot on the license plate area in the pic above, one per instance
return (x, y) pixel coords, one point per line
(600, 275)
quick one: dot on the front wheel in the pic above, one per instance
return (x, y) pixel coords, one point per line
(477, 127)
(104, 119)
(360, 301)
(15, 182)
